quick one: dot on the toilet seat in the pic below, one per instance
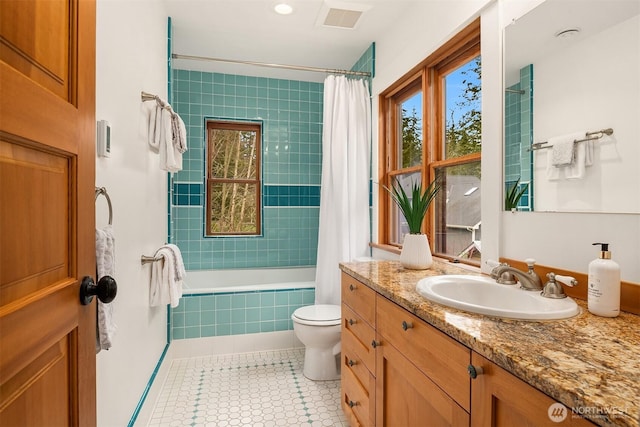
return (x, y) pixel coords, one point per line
(318, 315)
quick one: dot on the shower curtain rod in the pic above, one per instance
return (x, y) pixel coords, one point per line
(264, 64)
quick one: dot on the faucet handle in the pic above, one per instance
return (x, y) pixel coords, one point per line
(567, 280)
(553, 289)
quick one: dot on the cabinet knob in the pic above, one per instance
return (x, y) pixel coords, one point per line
(352, 322)
(352, 288)
(406, 325)
(352, 362)
(352, 403)
(375, 343)
(474, 371)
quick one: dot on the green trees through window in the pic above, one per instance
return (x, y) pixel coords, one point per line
(233, 178)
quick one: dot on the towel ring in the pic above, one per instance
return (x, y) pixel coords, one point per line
(103, 191)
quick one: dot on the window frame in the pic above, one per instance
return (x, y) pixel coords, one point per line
(462, 48)
(235, 125)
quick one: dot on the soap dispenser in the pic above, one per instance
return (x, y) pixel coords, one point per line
(603, 298)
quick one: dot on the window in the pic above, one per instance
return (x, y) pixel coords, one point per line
(233, 184)
(431, 130)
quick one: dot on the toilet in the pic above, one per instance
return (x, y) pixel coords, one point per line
(318, 328)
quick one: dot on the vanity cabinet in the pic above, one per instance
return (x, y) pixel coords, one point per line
(358, 355)
(421, 374)
(398, 370)
(499, 399)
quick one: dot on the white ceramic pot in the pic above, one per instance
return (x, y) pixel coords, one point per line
(416, 253)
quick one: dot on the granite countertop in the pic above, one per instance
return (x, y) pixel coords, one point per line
(584, 362)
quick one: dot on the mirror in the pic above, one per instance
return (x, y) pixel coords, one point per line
(571, 68)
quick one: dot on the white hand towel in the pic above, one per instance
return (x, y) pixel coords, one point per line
(167, 275)
(561, 155)
(105, 266)
(170, 157)
(562, 151)
(152, 126)
(584, 158)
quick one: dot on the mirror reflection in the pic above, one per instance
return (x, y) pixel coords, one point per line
(572, 103)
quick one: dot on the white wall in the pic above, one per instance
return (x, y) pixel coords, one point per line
(131, 57)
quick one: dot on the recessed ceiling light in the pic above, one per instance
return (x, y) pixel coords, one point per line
(283, 9)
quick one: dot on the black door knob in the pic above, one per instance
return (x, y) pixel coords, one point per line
(105, 290)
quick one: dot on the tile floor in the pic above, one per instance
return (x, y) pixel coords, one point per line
(260, 389)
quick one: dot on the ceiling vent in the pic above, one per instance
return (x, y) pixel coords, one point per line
(341, 14)
(342, 18)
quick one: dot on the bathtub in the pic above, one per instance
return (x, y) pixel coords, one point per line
(246, 280)
(224, 303)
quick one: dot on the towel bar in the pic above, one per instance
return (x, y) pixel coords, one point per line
(144, 259)
(145, 96)
(589, 136)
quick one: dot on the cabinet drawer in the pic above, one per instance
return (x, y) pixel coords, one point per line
(354, 358)
(438, 356)
(360, 298)
(356, 400)
(358, 335)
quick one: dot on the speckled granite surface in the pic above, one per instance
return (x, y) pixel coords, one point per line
(583, 362)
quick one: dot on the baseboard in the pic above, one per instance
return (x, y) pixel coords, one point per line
(145, 406)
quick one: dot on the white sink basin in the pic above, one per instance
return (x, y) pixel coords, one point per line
(482, 295)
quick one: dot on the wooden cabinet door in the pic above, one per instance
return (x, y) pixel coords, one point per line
(47, 223)
(405, 397)
(499, 399)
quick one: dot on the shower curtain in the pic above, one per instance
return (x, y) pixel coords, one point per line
(344, 225)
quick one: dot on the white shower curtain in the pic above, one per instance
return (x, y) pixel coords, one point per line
(344, 195)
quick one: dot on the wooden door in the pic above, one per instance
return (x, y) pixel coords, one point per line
(498, 399)
(47, 223)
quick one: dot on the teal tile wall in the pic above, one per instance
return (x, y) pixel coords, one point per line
(518, 134)
(236, 313)
(512, 137)
(291, 113)
(366, 62)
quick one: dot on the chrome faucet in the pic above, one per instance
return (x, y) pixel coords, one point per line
(529, 280)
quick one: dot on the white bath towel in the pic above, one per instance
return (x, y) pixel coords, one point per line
(179, 134)
(167, 275)
(170, 157)
(105, 266)
(166, 134)
(565, 159)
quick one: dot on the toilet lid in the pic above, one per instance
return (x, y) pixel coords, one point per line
(318, 313)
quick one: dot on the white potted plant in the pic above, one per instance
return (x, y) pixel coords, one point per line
(416, 253)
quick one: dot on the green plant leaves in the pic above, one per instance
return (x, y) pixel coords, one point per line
(414, 206)
(513, 195)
